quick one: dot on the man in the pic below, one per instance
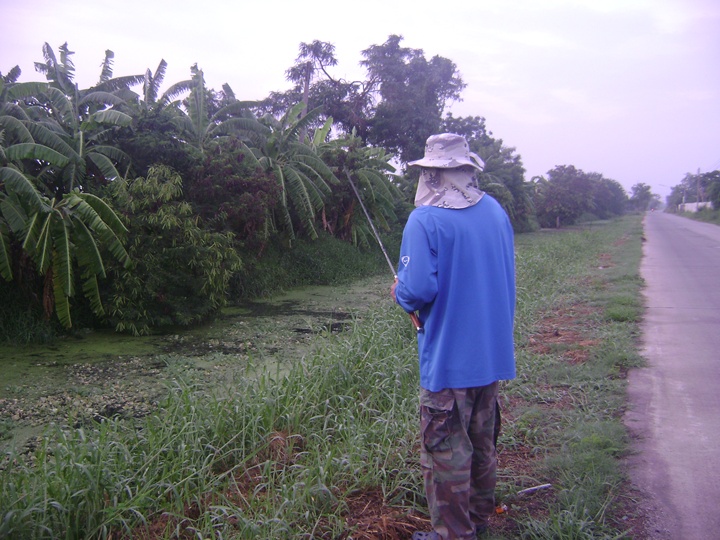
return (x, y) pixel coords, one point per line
(457, 270)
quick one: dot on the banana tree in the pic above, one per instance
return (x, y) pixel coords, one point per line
(151, 100)
(59, 235)
(61, 73)
(76, 123)
(54, 120)
(199, 128)
(304, 178)
(369, 169)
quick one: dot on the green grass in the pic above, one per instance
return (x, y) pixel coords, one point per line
(283, 454)
(324, 261)
(707, 215)
(579, 398)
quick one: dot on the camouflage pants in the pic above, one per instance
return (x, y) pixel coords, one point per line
(459, 463)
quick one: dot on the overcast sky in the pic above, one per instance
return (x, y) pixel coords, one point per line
(626, 88)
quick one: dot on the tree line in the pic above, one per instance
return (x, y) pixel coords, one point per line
(696, 188)
(140, 208)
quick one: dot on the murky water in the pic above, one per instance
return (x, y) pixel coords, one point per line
(104, 374)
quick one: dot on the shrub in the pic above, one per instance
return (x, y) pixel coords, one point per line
(181, 272)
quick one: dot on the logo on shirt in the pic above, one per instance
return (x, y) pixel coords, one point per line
(405, 260)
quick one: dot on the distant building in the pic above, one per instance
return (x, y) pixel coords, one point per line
(694, 206)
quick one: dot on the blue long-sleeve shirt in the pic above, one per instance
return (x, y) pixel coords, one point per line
(457, 269)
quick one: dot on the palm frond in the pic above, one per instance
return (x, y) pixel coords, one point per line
(302, 199)
(107, 70)
(40, 250)
(14, 110)
(98, 134)
(111, 152)
(197, 107)
(311, 116)
(242, 127)
(23, 90)
(297, 125)
(313, 187)
(318, 167)
(14, 214)
(66, 63)
(31, 231)
(45, 134)
(314, 180)
(292, 114)
(126, 81)
(382, 197)
(91, 291)
(248, 153)
(16, 129)
(284, 208)
(112, 117)
(175, 90)
(100, 98)
(62, 303)
(18, 152)
(228, 91)
(118, 83)
(379, 182)
(100, 218)
(250, 127)
(50, 60)
(321, 134)
(104, 212)
(48, 54)
(237, 108)
(62, 106)
(74, 174)
(12, 76)
(17, 183)
(87, 251)
(153, 81)
(62, 255)
(150, 88)
(104, 165)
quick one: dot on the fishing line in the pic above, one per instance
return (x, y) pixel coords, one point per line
(413, 316)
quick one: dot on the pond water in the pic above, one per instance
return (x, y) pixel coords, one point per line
(100, 374)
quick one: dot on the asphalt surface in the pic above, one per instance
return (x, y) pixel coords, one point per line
(674, 411)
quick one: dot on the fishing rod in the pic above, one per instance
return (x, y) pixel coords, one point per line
(413, 316)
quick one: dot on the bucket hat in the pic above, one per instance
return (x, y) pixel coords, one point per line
(448, 151)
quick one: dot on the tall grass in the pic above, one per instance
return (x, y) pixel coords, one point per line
(324, 261)
(281, 454)
(265, 457)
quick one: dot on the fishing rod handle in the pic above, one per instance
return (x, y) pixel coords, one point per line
(416, 321)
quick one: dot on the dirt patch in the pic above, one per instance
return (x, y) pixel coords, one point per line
(564, 333)
(368, 517)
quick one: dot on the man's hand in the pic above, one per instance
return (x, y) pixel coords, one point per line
(392, 290)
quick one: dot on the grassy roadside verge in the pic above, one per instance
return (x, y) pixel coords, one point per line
(328, 449)
(707, 215)
(564, 412)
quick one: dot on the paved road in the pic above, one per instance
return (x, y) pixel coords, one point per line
(675, 401)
